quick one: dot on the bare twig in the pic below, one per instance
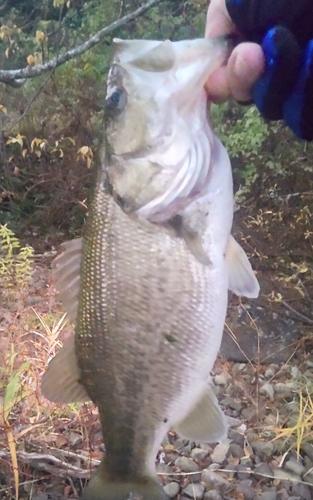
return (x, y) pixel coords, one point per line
(17, 77)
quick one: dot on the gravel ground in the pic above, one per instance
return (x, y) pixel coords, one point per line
(248, 465)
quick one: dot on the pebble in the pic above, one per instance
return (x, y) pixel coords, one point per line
(263, 471)
(269, 373)
(185, 464)
(211, 479)
(236, 450)
(266, 447)
(248, 413)
(268, 390)
(219, 453)
(198, 454)
(212, 495)
(237, 437)
(267, 495)
(285, 475)
(245, 489)
(172, 489)
(193, 491)
(294, 466)
(243, 471)
(230, 402)
(221, 378)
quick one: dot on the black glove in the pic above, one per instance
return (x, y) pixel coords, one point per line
(284, 28)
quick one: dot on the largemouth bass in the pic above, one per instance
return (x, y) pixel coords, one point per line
(149, 312)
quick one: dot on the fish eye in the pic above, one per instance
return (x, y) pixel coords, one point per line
(116, 101)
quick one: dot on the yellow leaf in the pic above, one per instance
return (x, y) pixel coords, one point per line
(7, 53)
(24, 153)
(61, 153)
(38, 57)
(3, 109)
(88, 162)
(40, 36)
(30, 60)
(83, 150)
(71, 140)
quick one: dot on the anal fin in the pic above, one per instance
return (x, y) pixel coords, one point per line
(205, 422)
(60, 382)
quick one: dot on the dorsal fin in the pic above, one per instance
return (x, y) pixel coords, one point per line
(66, 276)
(242, 280)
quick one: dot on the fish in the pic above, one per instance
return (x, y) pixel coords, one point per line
(147, 284)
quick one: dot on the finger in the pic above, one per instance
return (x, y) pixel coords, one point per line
(217, 87)
(245, 66)
(218, 21)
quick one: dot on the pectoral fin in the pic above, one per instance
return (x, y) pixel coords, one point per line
(242, 280)
(192, 240)
(206, 421)
(66, 276)
(60, 383)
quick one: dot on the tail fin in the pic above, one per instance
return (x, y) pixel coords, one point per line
(141, 488)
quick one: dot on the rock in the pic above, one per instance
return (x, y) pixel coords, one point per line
(301, 490)
(212, 495)
(185, 464)
(274, 344)
(268, 495)
(213, 480)
(248, 413)
(243, 471)
(236, 437)
(285, 475)
(268, 390)
(230, 402)
(222, 378)
(164, 469)
(172, 489)
(286, 388)
(219, 453)
(199, 454)
(294, 466)
(266, 447)
(263, 471)
(33, 300)
(269, 373)
(236, 450)
(193, 491)
(308, 449)
(245, 489)
(233, 422)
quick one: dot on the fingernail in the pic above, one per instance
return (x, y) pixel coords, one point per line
(241, 68)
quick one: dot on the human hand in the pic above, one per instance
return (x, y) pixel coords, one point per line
(280, 82)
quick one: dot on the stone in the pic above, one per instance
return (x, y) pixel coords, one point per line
(212, 495)
(275, 342)
(236, 437)
(199, 454)
(172, 489)
(266, 447)
(263, 471)
(185, 464)
(219, 453)
(193, 491)
(236, 450)
(268, 495)
(268, 390)
(221, 378)
(294, 466)
(245, 489)
(212, 480)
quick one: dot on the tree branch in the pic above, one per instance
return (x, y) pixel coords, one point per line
(16, 77)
